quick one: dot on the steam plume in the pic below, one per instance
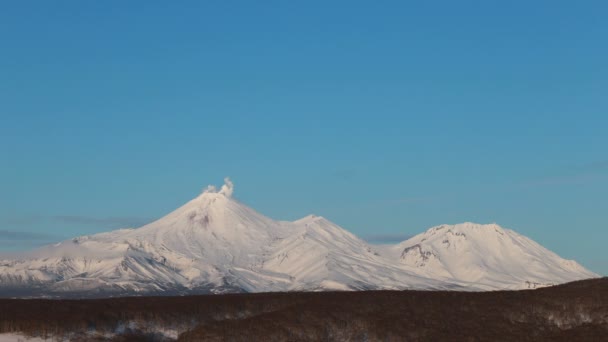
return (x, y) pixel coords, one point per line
(228, 187)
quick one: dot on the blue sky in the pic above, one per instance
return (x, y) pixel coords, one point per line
(385, 117)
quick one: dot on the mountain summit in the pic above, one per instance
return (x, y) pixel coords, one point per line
(486, 255)
(215, 244)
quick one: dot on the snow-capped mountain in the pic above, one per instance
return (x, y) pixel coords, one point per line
(486, 256)
(215, 244)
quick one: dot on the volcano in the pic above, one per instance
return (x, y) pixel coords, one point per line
(216, 244)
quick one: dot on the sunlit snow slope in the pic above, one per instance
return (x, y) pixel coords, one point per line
(215, 244)
(487, 256)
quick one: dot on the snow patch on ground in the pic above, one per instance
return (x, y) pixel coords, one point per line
(20, 338)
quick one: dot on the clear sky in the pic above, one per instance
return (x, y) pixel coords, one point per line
(385, 117)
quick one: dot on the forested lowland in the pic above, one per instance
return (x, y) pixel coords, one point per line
(572, 312)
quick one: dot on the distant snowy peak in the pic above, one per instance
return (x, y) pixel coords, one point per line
(214, 227)
(487, 254)
(213, 210)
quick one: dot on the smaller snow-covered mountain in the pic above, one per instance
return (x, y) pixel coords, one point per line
(319, 255)
(487, 256)
(215, 244)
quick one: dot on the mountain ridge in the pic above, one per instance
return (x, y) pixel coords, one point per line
(216, 244)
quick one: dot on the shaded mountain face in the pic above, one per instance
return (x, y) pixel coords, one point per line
(215, 244)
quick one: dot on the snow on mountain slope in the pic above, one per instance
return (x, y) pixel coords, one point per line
(320, 254)
(216, 244)
(488, 256)
(204, 245)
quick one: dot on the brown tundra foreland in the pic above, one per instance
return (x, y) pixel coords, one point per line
(572, 312)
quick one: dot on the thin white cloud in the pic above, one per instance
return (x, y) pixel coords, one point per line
(386, 238)
(105, 221)
(38, 220)
(9, 235)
